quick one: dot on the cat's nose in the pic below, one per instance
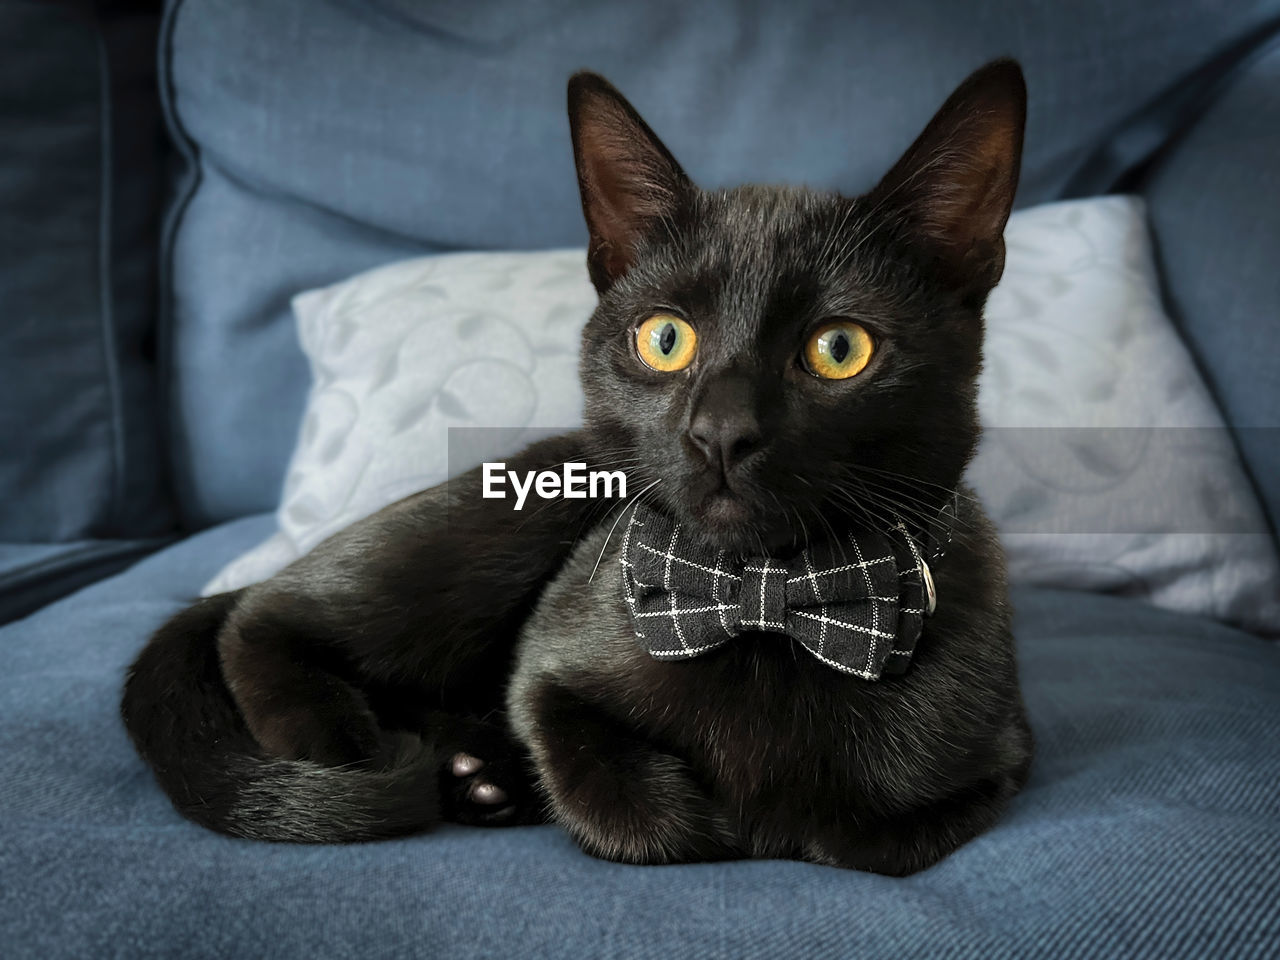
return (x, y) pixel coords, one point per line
(725, 442)
(724, 430)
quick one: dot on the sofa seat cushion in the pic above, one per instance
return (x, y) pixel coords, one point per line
(1148, 827)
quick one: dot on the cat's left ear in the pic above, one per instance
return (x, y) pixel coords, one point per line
(955, 185)
(629, 180)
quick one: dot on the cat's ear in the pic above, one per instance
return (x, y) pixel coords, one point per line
(629, 181)
(955, 185)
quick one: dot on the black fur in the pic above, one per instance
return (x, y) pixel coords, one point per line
(355, 694)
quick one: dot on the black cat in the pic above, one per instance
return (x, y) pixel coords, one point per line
(786, 376)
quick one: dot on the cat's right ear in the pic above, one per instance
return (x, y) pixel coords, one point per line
(955, 185)
(630, 182)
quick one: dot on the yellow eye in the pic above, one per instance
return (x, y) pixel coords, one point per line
(666, 343)
(838, 350)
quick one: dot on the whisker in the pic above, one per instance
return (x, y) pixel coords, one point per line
(621, 514)
(950, 491)
(923, 511)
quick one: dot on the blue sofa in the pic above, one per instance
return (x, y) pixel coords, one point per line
(170, 177)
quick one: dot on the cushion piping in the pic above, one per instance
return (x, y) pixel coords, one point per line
(107, 325)
(172, 427)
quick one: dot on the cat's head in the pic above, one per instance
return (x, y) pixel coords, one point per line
(784, 361)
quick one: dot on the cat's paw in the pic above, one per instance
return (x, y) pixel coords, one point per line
(476, 792)
(487, 782)
(641, 808)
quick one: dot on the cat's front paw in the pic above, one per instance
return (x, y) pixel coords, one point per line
(620, 796)
(643, 808)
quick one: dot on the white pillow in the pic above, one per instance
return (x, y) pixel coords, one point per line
(1104, 460)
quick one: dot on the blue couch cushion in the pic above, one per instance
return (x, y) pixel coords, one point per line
(1213, 208)
(394, 128)
(79, 232)
(1148, 828)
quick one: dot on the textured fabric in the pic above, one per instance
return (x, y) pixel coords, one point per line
(1147, 830)
(857, 606)
(1105, 462)
(79, 210)
(394, 128)
(1217, 224)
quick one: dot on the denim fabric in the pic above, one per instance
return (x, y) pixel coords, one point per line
(1216, 217)
(79, 228)
(1148, 829)
(324, 137)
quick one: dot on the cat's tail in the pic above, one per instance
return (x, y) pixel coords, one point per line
(185, 724)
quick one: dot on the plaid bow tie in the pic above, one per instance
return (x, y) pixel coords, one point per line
(857, 605)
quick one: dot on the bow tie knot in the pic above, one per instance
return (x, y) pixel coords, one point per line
(763, 595)
(857, 605)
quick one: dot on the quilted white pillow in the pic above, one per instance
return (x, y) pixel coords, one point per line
(1104, 461)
